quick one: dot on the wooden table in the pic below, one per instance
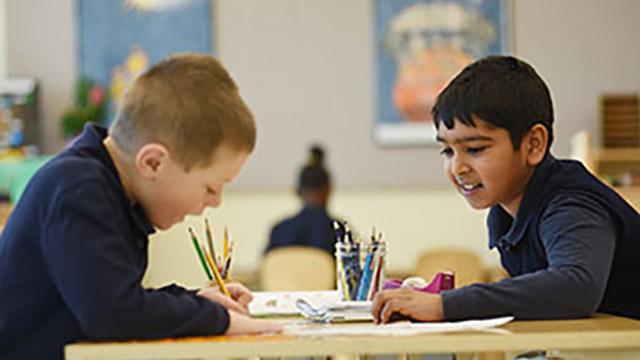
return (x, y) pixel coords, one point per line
(602, 336)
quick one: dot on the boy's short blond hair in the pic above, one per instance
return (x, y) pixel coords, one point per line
(188, 103)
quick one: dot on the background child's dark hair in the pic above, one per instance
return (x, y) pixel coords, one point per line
(501, 90)
(314, 175)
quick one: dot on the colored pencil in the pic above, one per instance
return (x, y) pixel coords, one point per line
(218, 278)
(226, 245)
(196, 244)
(212, 250)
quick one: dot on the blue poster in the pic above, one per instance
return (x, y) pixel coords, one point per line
(420, 46)
(118, 39)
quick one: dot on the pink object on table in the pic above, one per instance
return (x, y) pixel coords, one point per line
(441, 281)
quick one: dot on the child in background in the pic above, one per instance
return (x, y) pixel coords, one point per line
(312, 226)
(74, 251)
(569, 242)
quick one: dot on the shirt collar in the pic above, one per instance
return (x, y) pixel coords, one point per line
(89, 143)
(506, 231)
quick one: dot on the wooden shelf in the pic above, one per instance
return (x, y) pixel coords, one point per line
(631, 194)
(616, 162)
(625, 154)
(611, 165)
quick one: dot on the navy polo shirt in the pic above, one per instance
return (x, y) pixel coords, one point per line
(72, 256)
(572, 249)
(312, 227)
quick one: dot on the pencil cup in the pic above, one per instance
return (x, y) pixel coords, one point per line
(360, 269)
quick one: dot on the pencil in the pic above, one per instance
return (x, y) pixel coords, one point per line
(196, 244)
(226, 245)
(216, 273)
(226, 272)
(365, 279)
(343, 281)
(212, 250)
(226, 267)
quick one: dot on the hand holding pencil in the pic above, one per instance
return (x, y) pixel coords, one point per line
(238, 299)
(233, 296)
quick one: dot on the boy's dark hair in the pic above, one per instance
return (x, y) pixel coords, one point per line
(314, 175)
(503, 91)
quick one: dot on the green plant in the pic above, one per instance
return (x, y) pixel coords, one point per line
(90, 106)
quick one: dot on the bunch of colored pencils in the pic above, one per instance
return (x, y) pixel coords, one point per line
(360, 264)
(212, 264)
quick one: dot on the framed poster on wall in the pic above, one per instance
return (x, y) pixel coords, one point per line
(420, 46)
(118, 39)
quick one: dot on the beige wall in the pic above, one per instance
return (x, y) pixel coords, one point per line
(412, 220)
(582, 49)
(3, 39)
(40, 44)
(306, 69)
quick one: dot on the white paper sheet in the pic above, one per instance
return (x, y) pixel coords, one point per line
(283, 303)
(394, 329)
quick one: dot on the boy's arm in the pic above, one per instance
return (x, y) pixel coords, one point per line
(97, 265)
(578, 235)
(243, 324)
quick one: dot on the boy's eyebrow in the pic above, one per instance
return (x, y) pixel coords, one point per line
(467, 139)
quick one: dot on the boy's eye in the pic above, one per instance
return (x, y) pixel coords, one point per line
(476, 150)
(448, 152)
(210, 191)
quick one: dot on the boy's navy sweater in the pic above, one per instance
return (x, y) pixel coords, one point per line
(573, 249)
(72, 256)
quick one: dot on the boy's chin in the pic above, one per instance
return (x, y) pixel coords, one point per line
(164, 225)
(478, 205)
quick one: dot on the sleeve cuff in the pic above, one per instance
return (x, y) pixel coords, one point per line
(457, 304)
(220, 323)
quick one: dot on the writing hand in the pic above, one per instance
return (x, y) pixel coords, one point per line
(417, 305)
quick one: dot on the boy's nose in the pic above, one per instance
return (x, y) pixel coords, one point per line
(459, 166)
(215, 199)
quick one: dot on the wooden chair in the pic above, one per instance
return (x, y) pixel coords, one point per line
(465, 264)
(5, 211)
(297, 268)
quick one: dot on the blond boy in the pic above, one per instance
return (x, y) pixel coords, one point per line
(74, 251)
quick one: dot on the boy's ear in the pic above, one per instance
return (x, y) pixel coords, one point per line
(150, 160)
(534, 144)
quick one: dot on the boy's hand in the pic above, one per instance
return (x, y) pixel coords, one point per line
(415, 304)
(240, 294)
(242, 324)
(239, 301)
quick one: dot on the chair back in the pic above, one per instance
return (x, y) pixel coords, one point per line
(297, 268)
(5, 211)
(465, 264)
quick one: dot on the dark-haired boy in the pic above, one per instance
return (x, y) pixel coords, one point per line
(569, 242)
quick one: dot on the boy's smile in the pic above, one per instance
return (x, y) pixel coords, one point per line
(481, 163)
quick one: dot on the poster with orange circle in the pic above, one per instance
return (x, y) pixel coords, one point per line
(420, 46)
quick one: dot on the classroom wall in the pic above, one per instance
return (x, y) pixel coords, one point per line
(413, 220)
(306, 69)
(40, 44)
(3, 40)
